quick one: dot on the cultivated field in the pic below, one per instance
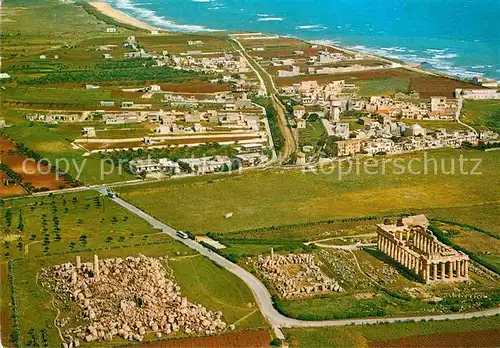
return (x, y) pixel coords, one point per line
(482, 114)
(360, 336)
(261, 199)
(429, 86)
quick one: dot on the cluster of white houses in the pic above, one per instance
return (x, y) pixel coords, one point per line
(197, 166)
(430, 140)
(412, 244)
(477, 94)
(337, 97)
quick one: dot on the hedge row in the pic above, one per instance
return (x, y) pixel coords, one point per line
(15, 335)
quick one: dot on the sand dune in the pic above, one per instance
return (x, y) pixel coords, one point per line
(119, 16)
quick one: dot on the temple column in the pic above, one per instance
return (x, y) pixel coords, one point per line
(443, 264)
(466, 269)
(427, 273)
(435, 271)
(450, 271)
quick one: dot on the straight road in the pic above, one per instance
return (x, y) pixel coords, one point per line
(263, 297)
(267, 82)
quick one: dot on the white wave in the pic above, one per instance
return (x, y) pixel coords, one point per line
(153, 18)
(431, 50)
(446, 56)
(393, 49)
(311, 27)
(262, 15)
(325, 42)
(201, 0)
(270, 19)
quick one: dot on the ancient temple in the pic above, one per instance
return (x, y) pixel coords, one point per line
(410, 243)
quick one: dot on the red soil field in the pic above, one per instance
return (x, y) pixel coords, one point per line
(485, 338)
(11, 190)
(429, 86)
(349, 77)
(195, 87)
(39, 178)
(248, 339)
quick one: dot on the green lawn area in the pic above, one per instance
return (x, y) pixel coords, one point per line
(261, 199)
(486, 247)
(312, 135)
(383, 86)
(206, 283)
(476, 215)
(359, 336)
(56, 95)
(482, 114)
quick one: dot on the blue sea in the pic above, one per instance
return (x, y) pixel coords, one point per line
(458, 37)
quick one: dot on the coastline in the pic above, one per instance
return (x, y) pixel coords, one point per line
(120, 16)
(125, 18)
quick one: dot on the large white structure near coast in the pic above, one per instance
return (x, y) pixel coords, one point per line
(477, 94)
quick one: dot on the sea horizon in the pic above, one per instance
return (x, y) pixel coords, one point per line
(464, 51)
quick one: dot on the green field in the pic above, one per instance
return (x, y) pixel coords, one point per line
(261, 199)
(482, 114)
(359, 336)
(384, 86)
(312, 135)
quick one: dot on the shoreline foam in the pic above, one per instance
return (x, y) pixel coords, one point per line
(120, 16)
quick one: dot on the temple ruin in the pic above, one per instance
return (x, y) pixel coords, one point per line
(410, 243)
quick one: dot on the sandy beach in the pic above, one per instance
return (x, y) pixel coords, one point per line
(119, 16)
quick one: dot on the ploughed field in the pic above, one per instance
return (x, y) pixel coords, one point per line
(33, 174)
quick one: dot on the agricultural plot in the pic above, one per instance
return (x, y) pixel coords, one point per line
(66, 223)
(482, 114)
(54, 143)
(25, 169)
(262, 199)
(428, 86)
(378, 335)
(353, 77)
(484, 244)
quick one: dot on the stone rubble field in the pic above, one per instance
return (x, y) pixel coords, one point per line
(296, 275)
(125, 298)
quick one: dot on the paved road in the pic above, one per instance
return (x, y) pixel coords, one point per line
(263, 296)
(459, 112)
